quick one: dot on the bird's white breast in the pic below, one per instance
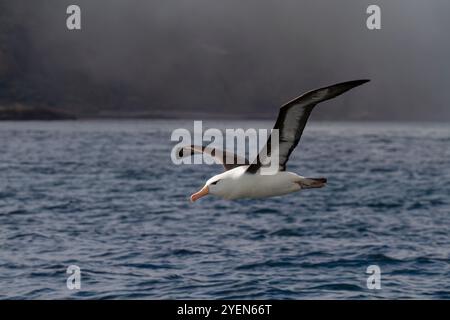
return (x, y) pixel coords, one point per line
(245, 185)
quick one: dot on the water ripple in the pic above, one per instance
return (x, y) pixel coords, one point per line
(105, 196)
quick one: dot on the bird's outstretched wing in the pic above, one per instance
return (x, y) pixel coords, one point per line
(228, 159)
(292, 119)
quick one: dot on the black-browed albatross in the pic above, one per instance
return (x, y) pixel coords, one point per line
(242, 179)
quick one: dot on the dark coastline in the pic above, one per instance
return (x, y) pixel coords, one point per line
(22, 113)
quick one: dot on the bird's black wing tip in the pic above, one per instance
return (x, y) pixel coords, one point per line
(351, 84)
(360, 82)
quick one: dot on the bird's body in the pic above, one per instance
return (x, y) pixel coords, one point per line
(243, 179)
(237, 184)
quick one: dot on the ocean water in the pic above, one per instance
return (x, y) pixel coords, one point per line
(105, 196)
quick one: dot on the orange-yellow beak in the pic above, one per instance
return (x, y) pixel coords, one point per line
(203, 192)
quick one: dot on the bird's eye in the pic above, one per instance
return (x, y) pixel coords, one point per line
(215, 182)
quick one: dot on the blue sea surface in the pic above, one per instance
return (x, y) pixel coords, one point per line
(105, 196)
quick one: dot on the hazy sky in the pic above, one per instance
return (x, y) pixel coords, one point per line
(226, 58)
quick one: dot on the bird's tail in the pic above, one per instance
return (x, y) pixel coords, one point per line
(309, 183)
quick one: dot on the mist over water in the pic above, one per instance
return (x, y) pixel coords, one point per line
(203, 58)
(105, 196)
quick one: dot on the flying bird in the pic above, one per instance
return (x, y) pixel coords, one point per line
(243, 179)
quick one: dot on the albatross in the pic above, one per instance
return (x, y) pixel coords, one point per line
(243, 179)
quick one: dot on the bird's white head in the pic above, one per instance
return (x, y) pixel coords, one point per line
(219, 185)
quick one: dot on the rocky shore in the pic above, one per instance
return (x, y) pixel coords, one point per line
(20, 112)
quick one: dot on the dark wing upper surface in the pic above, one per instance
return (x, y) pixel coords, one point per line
(292, 119)
(228, 159)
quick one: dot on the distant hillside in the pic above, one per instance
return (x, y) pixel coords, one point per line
(20, 112)
(216, 59)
